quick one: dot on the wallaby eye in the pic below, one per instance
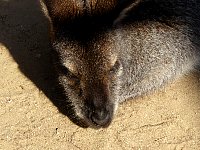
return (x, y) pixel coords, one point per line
(66, 72)
(115, 69)
(70, 78)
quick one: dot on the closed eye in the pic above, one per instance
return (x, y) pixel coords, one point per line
(115, 68)
(66, 72)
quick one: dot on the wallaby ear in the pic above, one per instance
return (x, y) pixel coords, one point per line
(99, 7)
(124, 11)
(60, 10)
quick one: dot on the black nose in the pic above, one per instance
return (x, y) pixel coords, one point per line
(101, 117)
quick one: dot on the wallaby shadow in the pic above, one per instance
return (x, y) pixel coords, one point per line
(24, 30)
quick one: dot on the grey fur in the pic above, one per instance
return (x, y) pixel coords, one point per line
(148, 44)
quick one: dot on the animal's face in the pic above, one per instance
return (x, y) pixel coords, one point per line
(89, 66)
(89, 74)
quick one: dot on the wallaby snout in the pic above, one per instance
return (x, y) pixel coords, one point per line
(100, 106)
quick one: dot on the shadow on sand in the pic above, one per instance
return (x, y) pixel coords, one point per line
(24, 31)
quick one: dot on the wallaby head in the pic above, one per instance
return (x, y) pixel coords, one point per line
(89, 73)
(86, 58)
(101, 61)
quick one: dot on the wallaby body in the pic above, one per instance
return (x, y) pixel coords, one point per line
(109, 51)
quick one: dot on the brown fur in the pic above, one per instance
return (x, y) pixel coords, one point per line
(70, 9)
(111, 51)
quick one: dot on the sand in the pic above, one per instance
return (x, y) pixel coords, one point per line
(30, 118)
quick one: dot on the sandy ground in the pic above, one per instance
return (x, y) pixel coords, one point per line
(30, 118)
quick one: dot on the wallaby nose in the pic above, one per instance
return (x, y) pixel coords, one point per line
(101, 117)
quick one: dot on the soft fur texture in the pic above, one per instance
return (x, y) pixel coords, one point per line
(109, 51)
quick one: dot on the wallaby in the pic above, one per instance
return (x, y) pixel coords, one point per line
(109, 51)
